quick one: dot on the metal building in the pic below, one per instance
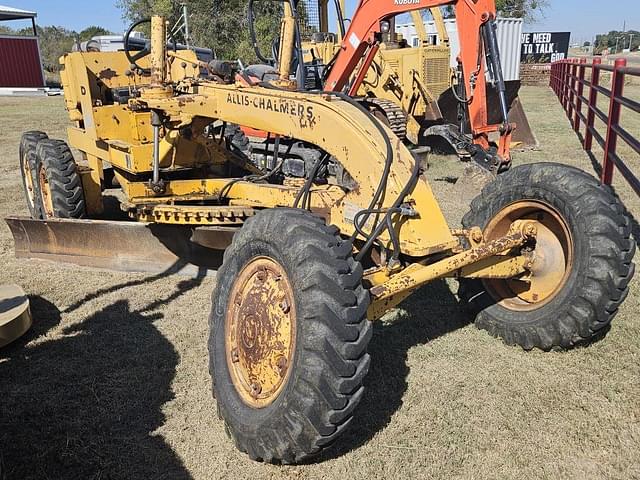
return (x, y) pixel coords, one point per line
(20, 61)
(509, 40)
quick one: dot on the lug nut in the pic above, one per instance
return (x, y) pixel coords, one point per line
(256, 388)
(284, 306)
(530, 230)
(281, 364)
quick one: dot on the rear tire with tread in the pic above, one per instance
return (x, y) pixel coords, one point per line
(28, 162)
(332, 332)
(56, 163)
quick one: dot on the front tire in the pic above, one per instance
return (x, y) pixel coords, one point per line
(288, 336)
(584, 258)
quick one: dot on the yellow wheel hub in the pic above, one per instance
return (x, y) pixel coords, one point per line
(45, 191)
(552, 256)
(28, 180)
(260, 328)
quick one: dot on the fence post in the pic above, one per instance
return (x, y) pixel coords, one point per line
(617, 88)
(593, 102)
(581, 69)
(565, 84)
(573, 71)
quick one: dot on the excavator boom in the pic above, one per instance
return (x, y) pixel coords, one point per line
(477, 39)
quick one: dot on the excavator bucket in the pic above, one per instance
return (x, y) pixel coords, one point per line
(121, 246)
(523, 136)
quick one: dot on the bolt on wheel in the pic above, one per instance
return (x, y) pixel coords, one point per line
(551, 256)
(45, 192)
(260, 332)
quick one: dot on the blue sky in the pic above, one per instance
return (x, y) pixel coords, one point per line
(584, 18)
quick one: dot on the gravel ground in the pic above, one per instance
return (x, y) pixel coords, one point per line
(112, 382)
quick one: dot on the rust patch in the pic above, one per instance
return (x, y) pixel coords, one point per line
(260, 335)
(107, 74)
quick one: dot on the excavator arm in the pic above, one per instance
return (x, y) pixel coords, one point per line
(476, 29)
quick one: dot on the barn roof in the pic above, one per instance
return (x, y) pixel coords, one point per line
(10, 13)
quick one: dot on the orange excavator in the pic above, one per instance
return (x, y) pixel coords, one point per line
(478, 65)
(477, 30)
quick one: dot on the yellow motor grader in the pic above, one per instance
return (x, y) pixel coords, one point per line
(313, 255)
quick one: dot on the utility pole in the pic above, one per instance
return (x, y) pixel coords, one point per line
(631, 41)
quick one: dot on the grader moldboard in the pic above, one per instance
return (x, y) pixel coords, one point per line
(544, 258)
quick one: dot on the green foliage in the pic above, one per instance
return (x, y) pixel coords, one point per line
(622, 39)
(217, 24)
(527, 9)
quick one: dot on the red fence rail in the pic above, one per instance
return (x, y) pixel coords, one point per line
(570, 81)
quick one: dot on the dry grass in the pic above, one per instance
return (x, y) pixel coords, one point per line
(118, 387)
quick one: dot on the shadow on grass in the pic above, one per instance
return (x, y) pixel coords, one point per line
(427, 315)
(86, 405)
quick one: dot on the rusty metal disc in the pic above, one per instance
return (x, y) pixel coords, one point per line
(552, 256)
(260, 328)
(28, 181)
(45, 191)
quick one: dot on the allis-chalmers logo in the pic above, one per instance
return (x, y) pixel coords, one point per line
(406, 2)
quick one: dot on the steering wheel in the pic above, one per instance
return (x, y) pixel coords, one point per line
(133, 59)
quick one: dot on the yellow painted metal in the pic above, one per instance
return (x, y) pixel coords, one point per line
(551, 262)
(317, 119)
(191, 214)
(45, 193)
(436, 13)
(158, 50)
(398, 287)
(92, 188)
(260, 331)
(287, 41)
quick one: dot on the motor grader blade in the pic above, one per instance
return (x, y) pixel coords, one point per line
(121, 246)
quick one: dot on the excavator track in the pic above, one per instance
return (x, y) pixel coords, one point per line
(393, 114)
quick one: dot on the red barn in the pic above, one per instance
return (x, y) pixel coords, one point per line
(20, 62)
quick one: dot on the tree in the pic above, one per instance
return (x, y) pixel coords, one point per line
(530, 10)
(621, 40)
(217, 24)
(92, 31)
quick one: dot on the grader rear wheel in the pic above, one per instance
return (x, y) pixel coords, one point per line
(582, 258)
(59, 184)
(288, 336)
(28, 168)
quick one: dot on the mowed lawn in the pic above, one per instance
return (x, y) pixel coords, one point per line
(113, 380)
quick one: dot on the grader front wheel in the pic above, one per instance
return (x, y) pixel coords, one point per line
(582, 260)
(288, 336)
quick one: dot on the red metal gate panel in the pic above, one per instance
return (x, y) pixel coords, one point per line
(20, 62)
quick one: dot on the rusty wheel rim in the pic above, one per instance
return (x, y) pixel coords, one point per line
(552, 256)
(28, 181)
(260, 328)
(45, 191)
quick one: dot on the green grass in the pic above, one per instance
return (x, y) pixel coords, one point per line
(119, 386)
